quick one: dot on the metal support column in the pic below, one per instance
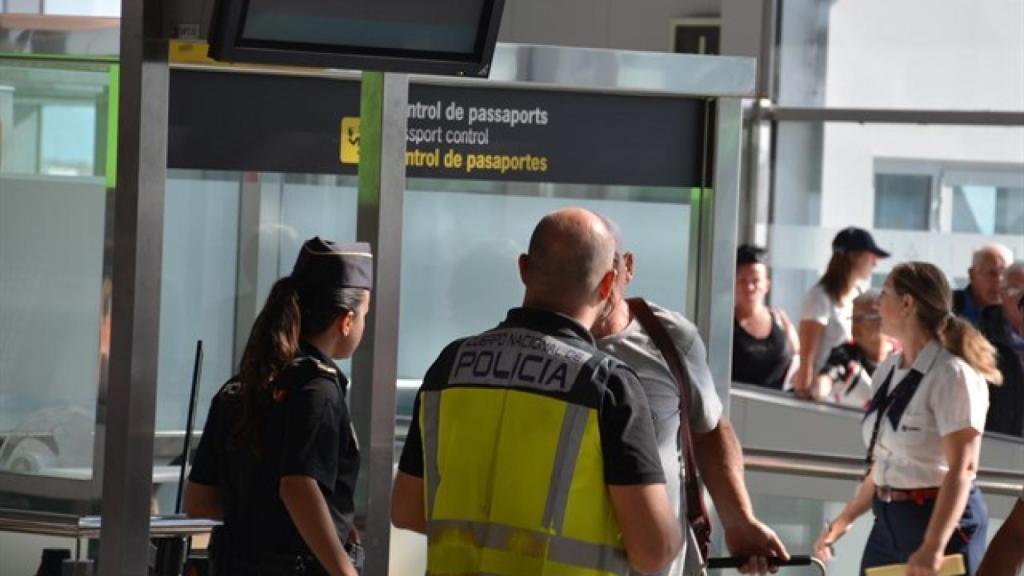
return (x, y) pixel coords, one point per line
(719, 255)
(756, 180)
(384, 101)
(129, 413)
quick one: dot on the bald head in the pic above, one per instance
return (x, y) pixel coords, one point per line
(987, 266)
(570, 253)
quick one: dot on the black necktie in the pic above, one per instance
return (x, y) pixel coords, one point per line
(891, 405)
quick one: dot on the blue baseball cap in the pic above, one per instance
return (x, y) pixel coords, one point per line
(853, 239)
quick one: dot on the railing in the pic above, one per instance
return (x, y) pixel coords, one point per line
(795, 463)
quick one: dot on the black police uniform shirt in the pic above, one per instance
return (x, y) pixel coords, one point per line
(628, 442)
(307, 433)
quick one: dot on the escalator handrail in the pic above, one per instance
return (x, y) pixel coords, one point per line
(760, 393)
(814, 466)
(858, 463)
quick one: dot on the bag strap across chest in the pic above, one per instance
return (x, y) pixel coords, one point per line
(696, 509)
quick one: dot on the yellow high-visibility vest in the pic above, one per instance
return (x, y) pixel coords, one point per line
(514, 474)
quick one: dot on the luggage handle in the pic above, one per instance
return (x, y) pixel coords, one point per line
(737, 561)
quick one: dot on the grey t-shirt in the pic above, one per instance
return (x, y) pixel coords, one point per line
(634, 347)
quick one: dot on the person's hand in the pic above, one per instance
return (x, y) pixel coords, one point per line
(820, 388)
(757, 541)
(347, 568)
(800, 388)
(926, 561)
(833, 531)
(802, 383)
(344, 568)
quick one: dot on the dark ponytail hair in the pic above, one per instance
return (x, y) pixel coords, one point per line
(290, 314)
(927, 285)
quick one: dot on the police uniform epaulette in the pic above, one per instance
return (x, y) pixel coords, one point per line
(325, 368)
(307, 367)
(300, 370)
(232, 387)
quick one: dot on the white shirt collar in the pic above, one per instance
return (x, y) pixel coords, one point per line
(927, 356)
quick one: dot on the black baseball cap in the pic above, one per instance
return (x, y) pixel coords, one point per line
(323, 264)
(853, 239)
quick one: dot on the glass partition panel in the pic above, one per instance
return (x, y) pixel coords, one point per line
(53, 117)
(461, 242)
(51, 294)
(460, 245)
(228, 236)
(54, 219)
(198, 288)
(929, 54)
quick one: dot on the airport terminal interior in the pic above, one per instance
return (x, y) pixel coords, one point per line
(161, 166)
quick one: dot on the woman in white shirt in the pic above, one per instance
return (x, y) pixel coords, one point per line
(923, 430)
(827, 310)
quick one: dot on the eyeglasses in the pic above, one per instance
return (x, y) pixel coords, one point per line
(866, 317)
(619, 258)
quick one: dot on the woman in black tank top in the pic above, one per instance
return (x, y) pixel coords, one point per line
(761, 361)
(764, 341)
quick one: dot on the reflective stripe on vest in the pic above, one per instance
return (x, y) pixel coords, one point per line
(529, 543)
(553, 519)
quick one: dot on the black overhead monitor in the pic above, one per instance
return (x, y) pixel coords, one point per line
(453, 37)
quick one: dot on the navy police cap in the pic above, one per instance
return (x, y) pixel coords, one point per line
(331, 265)
(853, 239)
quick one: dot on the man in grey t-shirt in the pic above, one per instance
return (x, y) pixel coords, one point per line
(717, 450)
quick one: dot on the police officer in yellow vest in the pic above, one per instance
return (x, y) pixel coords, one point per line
(531, 452)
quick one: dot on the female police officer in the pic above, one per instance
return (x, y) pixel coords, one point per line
(278, 458)
(923, 428)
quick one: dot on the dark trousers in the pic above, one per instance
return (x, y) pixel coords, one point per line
(282, 565)
(270, 565)
(900, 526)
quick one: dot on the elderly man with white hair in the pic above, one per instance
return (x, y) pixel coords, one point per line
(985, 274)
(1003, 326)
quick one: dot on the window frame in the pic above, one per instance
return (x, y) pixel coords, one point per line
(906, 167)
(994, 175)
